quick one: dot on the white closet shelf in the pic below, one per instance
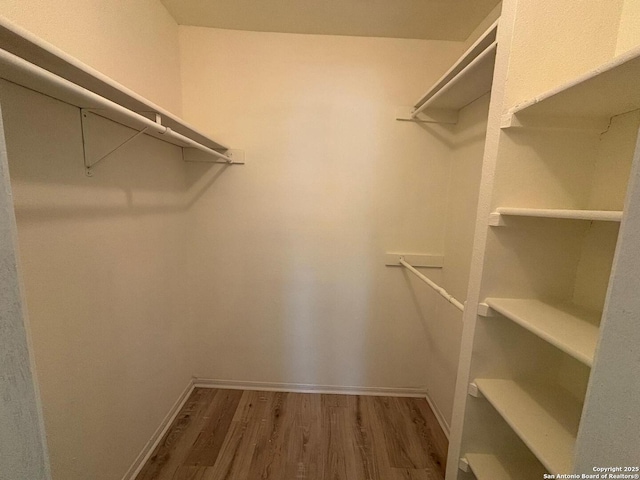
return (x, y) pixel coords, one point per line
(544, 417)
(601, 93)
(571, 328)
(467, 80)
(486, 466)
(496, 218)
(31, 62)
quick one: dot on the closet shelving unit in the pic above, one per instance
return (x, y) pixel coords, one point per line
(468, 79)
(586, 102)
(29, 61)
(545, 330)
(533, 412)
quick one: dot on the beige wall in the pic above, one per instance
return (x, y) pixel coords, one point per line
(135, 42)
(103, 258)
(285, 278)
(629, 33)
(288, 260)
(445, 329)
(467, 148)
(582, 35)
(466, 141)
(103, 264)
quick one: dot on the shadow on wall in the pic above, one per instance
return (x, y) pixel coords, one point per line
(450, 135)
(434, 324)
(144, 177)
(442, 326)
(103, 262)
(328, 285)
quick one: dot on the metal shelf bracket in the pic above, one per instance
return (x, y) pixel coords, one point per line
(88, 163)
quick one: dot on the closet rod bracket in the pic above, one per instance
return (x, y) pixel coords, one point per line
(90, 164)
(434, 115)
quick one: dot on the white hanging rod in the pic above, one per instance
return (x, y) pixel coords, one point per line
(22, 72)
(433, 285)
(458, 77)
(24, 44)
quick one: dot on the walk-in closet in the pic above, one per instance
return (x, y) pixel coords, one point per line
(319, 240)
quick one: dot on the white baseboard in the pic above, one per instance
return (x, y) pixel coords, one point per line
(155, 439)
(438, 414)
(305, 388)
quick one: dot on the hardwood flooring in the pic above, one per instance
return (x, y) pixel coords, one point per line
(247, 435)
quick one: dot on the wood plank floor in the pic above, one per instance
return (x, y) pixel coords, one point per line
(247, 435)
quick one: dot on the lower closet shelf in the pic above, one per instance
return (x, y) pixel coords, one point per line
(570, 328)
(489, 467)
(544, 417)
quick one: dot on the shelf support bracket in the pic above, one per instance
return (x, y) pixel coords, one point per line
(88, 163)
(434, 115)
(474, 391)
(485, 310)
(513, 120)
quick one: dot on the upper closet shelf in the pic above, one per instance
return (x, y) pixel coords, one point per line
(31, 62)
(588, 101)
(496, 219)
(467, 80)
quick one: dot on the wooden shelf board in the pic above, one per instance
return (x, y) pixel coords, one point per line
(544, 417)
(568, 327)
(27, 46)
(474, 82)
(608, 90)
(589, 215)
(489, 467)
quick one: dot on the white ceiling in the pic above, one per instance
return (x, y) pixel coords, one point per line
(425, 19)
